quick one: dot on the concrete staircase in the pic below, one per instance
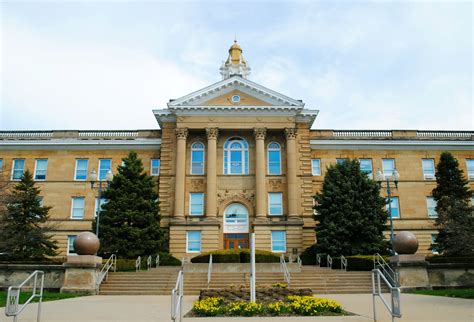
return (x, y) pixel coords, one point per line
(161, 280)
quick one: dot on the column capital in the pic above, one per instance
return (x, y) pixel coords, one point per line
(212, 133)
(290, 133)
(182, 133)
(260, 133)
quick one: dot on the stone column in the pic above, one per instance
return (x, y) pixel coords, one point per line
(291, 172)
(260, 184)
(181, 135)
(211, 172)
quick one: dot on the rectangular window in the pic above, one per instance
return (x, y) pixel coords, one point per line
(17, 169)
(275, 204)
(193, 242)
(428, 169)
(155, 167)
(196, 204)
(81, 169)
(70, 244)
(197, 160)
(99, 203)
(431, 206)
(274, 162)
(40, 169)
(279, 241)
(395, 207)
(366, 167)
(105, 165)
(77, 208)
(1, 164)
(388, 165)
(316, 167)
(341, 160)
(434, 249)
(470, 168)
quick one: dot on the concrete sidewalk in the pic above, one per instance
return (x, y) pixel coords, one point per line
(415, 308)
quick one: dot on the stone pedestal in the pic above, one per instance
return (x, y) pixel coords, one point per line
(412, 271)
(81, 274)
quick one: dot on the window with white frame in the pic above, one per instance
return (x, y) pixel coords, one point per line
(81, 169)
(275, 203)
(18, 168)
(196, 204)
(274, 158)
(1, 164)
(428, 169)
(236, 156)
(99, 202)
(366, 166)
(388, 166)
(70, 244)
(434, 248)
(395, 207)
(197, 158)
(77, 208)
(40, 169)
(431, 207)
(341, 160)
(155, 167)
(316, 167)
(279, 241)
(193, 242)
(470, 168)
(105, 165)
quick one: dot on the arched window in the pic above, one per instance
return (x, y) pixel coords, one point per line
(197, 158)
(274, 158)
(236, 156)
(236, 219)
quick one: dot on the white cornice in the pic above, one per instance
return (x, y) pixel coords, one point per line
(391, 144)
(74, 144)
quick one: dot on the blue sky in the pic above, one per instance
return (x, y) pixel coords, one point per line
(363, 64)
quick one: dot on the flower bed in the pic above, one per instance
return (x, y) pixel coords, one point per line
(291, 305)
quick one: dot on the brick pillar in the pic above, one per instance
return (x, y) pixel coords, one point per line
(291, 177)
(211, 172)
(260, 186)
(181, 135)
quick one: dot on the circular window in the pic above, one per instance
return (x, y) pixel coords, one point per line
(235, 99)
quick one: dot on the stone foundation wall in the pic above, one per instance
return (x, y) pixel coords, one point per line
(15, 274)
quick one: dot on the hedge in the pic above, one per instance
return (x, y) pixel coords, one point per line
(236, 256)
(453, 260)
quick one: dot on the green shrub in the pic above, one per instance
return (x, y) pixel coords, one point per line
(309, 305)
(167, 259)
(210, 306)
(261, 256)
(362, 262)
(278, 308)
(236, 256)
(452, 260)
(308, 256)
(242, 308)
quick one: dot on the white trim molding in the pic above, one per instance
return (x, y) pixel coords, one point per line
(391, 144)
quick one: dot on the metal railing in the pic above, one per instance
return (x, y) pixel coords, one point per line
(329, 261)
(299, 261)
(387, 271)
(209, 271)
(104, 272)
(284, 269)
(157, 260)
(148, 263)
(318, 260)
(177, 298)
(13, 308)
(343, 262)
(138, 263)
(394, 306)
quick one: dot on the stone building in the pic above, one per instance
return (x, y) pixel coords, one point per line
(230, 159)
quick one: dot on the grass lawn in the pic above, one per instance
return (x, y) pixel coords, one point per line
(47, 296)
(465, 293)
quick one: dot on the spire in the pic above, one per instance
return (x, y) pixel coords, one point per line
(235, 63)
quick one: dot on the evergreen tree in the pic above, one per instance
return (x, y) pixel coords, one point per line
(24, 223)
(350, 212)
(455, 214)
(130, 221)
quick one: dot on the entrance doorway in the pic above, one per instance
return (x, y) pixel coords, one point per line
(236, 227)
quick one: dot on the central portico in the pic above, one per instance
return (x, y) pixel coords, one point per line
(234, 159)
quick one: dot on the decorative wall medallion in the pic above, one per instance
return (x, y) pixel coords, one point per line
(235, 196)
(275, 185)
(235, 99)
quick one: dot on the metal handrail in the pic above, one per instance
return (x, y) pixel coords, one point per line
(343, 262)
(299, 261)
(209, 271)
(284, 269)
(138, 263)
(148, 263)
(318, 260)
(177, 298)
(157, 260)
(394, 307)
(384, 267)
(329, 261)
(13, 308)
(104, 272)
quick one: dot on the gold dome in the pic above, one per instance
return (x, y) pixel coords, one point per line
(235, 54)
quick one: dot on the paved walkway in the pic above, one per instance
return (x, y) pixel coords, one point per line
(415, 308)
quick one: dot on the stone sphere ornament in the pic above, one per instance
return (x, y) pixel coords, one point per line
(86, 243)
(405, 243)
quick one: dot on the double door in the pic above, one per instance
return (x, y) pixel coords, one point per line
(236, 241)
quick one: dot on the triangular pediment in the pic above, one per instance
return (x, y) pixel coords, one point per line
(221, 93)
